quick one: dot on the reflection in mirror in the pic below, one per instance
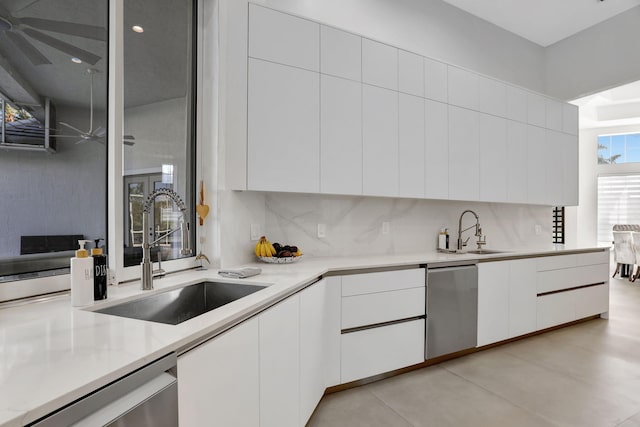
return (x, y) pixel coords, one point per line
(53, 63)
(159, 142)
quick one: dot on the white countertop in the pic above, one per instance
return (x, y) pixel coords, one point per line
(52, 354)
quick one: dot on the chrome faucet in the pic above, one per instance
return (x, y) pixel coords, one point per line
(147, 266)
(478, 234)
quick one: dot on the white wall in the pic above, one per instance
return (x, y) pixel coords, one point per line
(598, 58)
(53, 194)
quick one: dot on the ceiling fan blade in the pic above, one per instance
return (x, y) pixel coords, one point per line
(29, 50)
(129, 137)
(20, 5)
(67, 48)
(129, 143)
(71, 127)
(100, 132)
(73, 29)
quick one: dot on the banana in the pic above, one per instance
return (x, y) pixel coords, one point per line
(257, 249)
(264, 248)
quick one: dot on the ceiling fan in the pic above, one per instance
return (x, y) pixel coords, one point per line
(92, 135)
(15, 29)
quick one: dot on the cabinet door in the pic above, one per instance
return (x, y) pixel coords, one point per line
(436, 163)
(340, 53)
(570, 119)
(516, 104)
(522, 296)
(341, 136)
(492, 96)
(463, 88)
(493, 302)
(379, 64)
(219, 380)
(280, 364)
(312, 348)
(516, 165)
(410, 73)
(283, 38)
(283, 128)
(493, 159)
(332, 344)
(435, 80)
(555, 309)
(380, 141)
(570, 161)
(536, 110)
(464, 153)
(537, 157)
(553, 111)
(411, 146)
(554, 166)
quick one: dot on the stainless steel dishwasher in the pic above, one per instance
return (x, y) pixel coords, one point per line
(452, 308)
(146, 397)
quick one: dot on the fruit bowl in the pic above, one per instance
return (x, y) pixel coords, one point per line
(282, 260)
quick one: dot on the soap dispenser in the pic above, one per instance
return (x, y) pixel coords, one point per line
(81, 277)
(99, 272)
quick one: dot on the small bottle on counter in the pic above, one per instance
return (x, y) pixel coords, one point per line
(81, 277)
(443, 239)
(99, 272)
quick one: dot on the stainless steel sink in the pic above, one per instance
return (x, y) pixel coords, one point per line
(178, 305)
(484, 252)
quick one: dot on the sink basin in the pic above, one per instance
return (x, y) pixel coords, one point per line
(484, 252)
(176, 306)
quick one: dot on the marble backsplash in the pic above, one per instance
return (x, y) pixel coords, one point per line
(354, 224)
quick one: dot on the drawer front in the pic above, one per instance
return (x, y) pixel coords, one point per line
(555, 280)
(591, 301)
(378, 350)
(556, 262)
(555, 309)
(593, 258)
(369, 309)
(368, 283)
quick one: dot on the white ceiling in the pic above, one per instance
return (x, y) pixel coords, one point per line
(619, 106)
(544, 22)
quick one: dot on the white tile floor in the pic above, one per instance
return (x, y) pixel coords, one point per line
(583, 375)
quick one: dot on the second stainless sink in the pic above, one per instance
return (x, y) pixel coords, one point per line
(176, 306)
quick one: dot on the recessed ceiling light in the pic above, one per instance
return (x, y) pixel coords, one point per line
(137, 29)
(76, 60)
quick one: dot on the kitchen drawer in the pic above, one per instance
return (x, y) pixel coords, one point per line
(369, 309)
(378, 350)
(555, 309)
(368, 283)
(593, 258)
(555, 280)
(592, 300)
(556, 262)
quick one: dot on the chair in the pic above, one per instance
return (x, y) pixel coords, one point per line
(623, 250)
(636, 250)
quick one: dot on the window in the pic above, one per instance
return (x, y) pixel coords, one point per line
(53, 103)
(618, 203)
(620, 148)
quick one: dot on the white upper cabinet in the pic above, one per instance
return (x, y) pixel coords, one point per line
(516, 104)
(411, 146)
(340, 53)
(570, 170)
(464, 154)
(463, 88)
(436, 163)
(553, 110)
(340, 136)
(493, 158)
(554, 165)
(536, 109)
(492, 96)
(379, 141)
(284, 128)
(283, 38)
(536, 157)
(379, 64)
(435, 80)
(516, 165)
(411, 73)
(570, 119)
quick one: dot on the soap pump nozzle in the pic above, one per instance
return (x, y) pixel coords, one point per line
(82, 252)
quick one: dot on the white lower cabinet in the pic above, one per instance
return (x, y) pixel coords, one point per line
(280, 364)
(377, 350)
(506, 300)
(219, 380)
(332, 325)
(312, 349)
